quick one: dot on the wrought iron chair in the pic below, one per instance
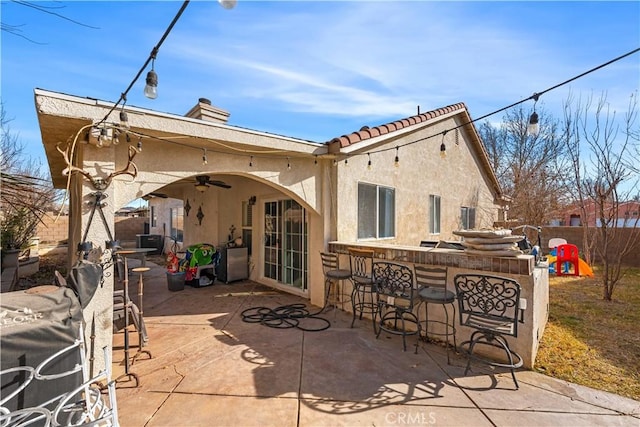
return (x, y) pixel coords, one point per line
(334, 276)
(491, 306)
(395, 299)
(363, 296)
(432, 289)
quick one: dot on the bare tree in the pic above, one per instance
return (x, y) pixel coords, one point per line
(604, 179)
(26, 193)
(532, 169)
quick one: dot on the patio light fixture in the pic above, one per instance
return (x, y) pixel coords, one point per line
(534, 128)
(369, 162)
(443, 148)
(202, 187)
(204, 157)
(396, 161)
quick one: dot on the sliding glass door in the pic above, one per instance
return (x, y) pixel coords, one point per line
(286, 243)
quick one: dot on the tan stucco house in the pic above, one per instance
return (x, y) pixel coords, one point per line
(288, 197)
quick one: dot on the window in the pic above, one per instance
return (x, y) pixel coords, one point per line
(468, 218)
(154, 218)
(376, 211)
(247, 223)
(434, 214)
(177, 223)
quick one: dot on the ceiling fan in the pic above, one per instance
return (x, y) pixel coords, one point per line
(204, 181)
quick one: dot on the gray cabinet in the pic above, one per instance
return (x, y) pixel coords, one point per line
(234, 264)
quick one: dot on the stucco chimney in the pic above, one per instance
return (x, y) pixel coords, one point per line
(203, 110)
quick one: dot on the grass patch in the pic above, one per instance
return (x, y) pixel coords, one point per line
(590, 341)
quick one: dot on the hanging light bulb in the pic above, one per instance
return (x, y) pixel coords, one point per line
(396, 161)
(139, 144)
(443, 148)
(534, 128)
(335, 162)
(315, 160)
(369, 162)
(151, 89)
(103, 139)
(251, 162)
(288, 164)
(204, 157)
(346, 161)
(228, 4)
(124, 120)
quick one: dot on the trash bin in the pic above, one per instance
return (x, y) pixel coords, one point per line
(175, 281)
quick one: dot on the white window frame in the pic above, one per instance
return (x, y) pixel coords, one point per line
(467, 217)
(376, 210)
(435, 206)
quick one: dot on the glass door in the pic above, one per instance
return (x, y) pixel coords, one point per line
(286, 243)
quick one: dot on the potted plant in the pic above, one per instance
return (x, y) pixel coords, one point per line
(18, 227)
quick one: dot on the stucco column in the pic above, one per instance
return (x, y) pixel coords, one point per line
(98, 315)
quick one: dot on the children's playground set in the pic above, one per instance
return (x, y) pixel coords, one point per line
(563, 258)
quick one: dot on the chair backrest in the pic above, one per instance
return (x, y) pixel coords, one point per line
(330, 261)
(361, 262)
(430, 277)
(556, 241)
(488, 303)
(393, 280)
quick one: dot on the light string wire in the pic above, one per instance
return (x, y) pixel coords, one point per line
(152, 56)
(535, 97)
(397, 147)
(156, 48)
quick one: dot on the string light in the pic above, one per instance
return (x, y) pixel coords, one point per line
(315, 160)
(204, 156)
(335, 162)
(251, 162)
(443, 148)
(288, 164)
(151, 88)
(396, 161)
(124, 119)
(369, 162)
(103, 139)
(534, 128)
(346, 161)
(139, 143)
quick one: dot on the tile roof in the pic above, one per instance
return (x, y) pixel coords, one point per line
(366, 132)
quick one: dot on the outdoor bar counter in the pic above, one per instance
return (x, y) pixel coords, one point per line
(533, 279)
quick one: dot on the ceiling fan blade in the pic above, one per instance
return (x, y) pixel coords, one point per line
(219, 184)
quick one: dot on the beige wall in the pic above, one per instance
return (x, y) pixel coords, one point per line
(422, 172)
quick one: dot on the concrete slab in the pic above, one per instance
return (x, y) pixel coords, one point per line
(211, 368)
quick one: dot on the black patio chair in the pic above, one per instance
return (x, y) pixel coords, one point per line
(395, 296)
(491, 306)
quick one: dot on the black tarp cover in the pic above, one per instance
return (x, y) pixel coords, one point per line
(35, 324)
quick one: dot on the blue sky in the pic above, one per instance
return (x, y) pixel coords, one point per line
(317, 70)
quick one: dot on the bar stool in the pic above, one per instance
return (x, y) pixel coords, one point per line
(363, 296)
(333, 277)
(141, 337)
(432, 283)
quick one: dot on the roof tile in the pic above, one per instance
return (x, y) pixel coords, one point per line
(366, 132)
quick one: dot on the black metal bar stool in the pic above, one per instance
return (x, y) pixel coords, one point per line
(363, 296)
(334, 277)
(490, 305)
(432, 284)
(142, 338)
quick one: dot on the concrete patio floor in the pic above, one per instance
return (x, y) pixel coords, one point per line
(210, 368)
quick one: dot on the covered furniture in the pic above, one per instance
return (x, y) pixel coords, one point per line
(432, 289)
(334, 277)
(395, 296)
(363, 294)
(491, 306)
